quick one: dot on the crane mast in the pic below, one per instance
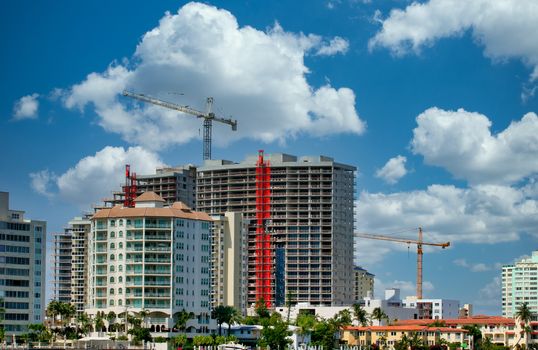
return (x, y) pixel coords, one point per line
(208, 116)
(420, 252)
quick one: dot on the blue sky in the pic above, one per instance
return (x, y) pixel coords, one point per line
(434, 102)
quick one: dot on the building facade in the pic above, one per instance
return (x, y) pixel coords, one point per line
(363, 283)
(519, 285)
(310, 222)
(151, 257)
(173, 184)
(22, 269)
(388, 336)
(434, 309)
(229, 261)
(61, 263)
(79, 229)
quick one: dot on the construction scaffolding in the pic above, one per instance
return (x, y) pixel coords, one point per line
(130, 187)
(264, 251)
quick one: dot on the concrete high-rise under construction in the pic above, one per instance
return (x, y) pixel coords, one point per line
(304, 209)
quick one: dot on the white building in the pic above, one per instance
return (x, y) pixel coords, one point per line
(520, 284)
(433, 309)
(22, 269)
(392, 306)
(154, 258)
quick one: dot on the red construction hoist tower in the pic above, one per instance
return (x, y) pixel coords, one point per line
(264, 251)
(130, 187)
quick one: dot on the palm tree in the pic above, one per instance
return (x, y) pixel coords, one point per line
(379, 315)
(360, 315)
(235, 317)
(111, 318)
(222, 314)
(182, 318)
(524, 315)
(84, 323)
(98, 321)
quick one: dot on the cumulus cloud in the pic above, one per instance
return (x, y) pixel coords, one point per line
(26, 107)
(501, 27)
(94, 177)
(393, 170)
(41, 181)
(477, 267)
(485, 213)
(490, 294)
(258, 77)
(462, 143)
(335, 46)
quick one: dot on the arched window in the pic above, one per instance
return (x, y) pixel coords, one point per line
(111, 268)
(112, 257)
(120, 257)
(111, 302)
(120, 268)
(120, 245)
(112, 246)
(120, 279)
(120, 234)
(120, 302)
(120, 291)
(111, 280)
(111, 291)
(112, 234)
(121, 222)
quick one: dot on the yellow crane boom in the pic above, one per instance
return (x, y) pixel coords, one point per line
(208, 116)
(420, 253)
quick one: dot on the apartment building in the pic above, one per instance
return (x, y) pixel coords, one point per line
(363, 283)
(310, 222)
(173, 184)
(388, 336)
(433, 309)
(229, 261)
(152, 257)
(520, 285)
(61, 262)
(69, 283)
(22, 269)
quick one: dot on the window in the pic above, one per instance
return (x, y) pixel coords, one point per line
(111, 256)
(120, 279)
(120, 268)
(120, 291)
(120, 234)
(120, 245)
(111, 302)
(111, 268)
(111, 291)
(120, 257)
(111, 280)
(112, 246)
(120, 302)
(121, 222)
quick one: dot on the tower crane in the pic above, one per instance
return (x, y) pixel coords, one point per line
(208, 116)
(419, 244)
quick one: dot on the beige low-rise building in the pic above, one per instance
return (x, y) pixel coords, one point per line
(388, 336)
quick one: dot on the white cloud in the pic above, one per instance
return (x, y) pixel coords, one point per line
(41, 181)
(95, 177)
(407, 288)
(26, 107)
(490, 294)
(335, 46)
(481, 214)
(477, 267)
(393, 170)
(462, 142)
(502, 27)
(258, 77)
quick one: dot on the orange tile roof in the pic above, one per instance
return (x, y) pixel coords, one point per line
(405, 328)
(149, 196)
(170, 212)
(478, 320)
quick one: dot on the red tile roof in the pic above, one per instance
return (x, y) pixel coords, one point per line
(478, 320)
(405, 328)
(171, 212)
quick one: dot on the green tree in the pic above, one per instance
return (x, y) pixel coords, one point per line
(179, 340)
(306, 323)
(343, 318)
(524, 315)
(324, 333)
(437, 323)
(226, 314)
(111, 318)
(140, 334)
(361, 316)
(275, 334)
(202, 340)
(261, 309)
(182, 318)
(84, 323)
(99, 322)
(474, 332)
(379, 315)
(402, 344)
(290, 297)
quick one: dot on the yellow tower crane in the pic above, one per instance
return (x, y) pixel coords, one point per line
(419, 244)
(208, 116)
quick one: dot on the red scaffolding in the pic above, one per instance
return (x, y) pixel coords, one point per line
(264, 253)
(130, 187)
